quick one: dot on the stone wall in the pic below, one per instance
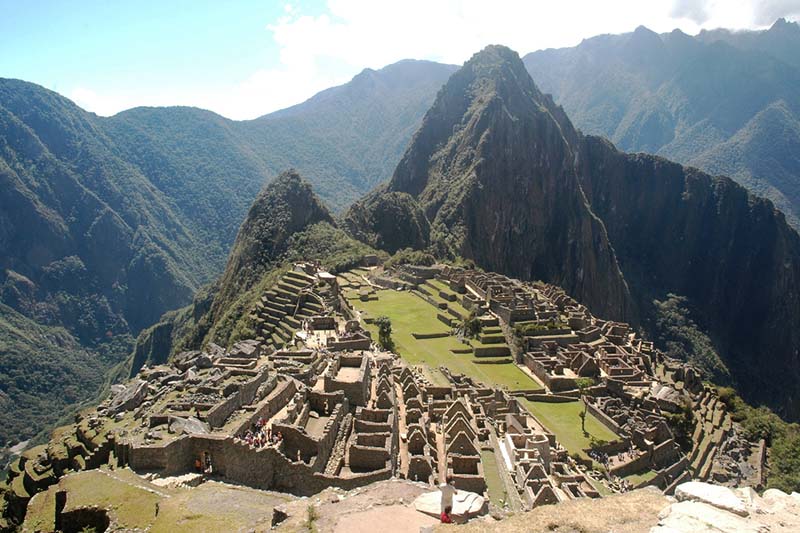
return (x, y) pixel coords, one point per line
(235, 461)
(368, 458)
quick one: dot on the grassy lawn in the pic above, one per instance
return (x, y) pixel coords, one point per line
(641, 477)
(411, 314)
(563, 419)
(494, 484)
(133, 506)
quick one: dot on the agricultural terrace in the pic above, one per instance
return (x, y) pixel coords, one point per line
(409, 314)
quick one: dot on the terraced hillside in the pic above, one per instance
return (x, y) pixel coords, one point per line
(423, 324)
(283, 308)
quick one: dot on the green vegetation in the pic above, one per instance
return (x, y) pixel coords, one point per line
(389, 220)
(564, 420)
(311, 519)
(132, 505)
(408, 256)
(641, 477)
(384, 325)
(211, 318)
(44, 372)
(679, 337)
(494, 484)
(750, 132)
(783, 438)
(115, 221)
(682, 426)
(583, 384)
(411, 314)
(532, 328)
(472, 326)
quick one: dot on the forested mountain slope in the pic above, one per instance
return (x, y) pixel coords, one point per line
(726, 102)
(107, 223)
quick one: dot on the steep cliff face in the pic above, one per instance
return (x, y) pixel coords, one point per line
(730, 253)
(504, 179)
(492, 168)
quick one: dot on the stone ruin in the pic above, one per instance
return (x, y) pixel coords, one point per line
(311, 402)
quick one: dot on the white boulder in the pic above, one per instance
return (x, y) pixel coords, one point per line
(715, 495)
(695, 516)
(465, 504)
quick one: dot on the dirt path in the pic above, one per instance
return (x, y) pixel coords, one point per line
(441, 455)
(386, 519)
(403, 430)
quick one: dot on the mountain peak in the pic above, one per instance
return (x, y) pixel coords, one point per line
(783, 25)
(492, 150)
(285, 206)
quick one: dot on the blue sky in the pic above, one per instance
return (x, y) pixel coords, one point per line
(246, 58)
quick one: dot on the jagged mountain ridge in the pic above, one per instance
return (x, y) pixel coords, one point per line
(717, 101)
(504, 179)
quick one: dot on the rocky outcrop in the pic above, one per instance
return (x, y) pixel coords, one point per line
(705, 507)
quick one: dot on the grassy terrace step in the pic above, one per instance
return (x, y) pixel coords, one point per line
(425, 291)
(287, 329)
(276, 313)
(440, 285)
(283, 293)
(298, 284)
(454, 313)
(564, 420)
(490, 350)
(702, 452)
(409, 313)
(299, 276)
(493, 339)
(18, 487)
(462, 351)
(492, 360)
(291, 289)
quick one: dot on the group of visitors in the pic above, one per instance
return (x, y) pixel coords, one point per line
(600, 457)
(260, 435)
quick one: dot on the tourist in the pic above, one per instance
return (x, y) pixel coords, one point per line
(447, 494)
(445, 517)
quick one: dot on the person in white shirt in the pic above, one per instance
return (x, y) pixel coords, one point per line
(448, 490)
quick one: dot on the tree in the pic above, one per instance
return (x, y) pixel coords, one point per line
(472, 326)
(583, 384)
(384, 332)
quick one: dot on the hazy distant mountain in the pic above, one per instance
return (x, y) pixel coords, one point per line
(106, 223)
(501, 177)
(726, 102)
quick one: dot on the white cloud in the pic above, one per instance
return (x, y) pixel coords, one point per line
(316, 52)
